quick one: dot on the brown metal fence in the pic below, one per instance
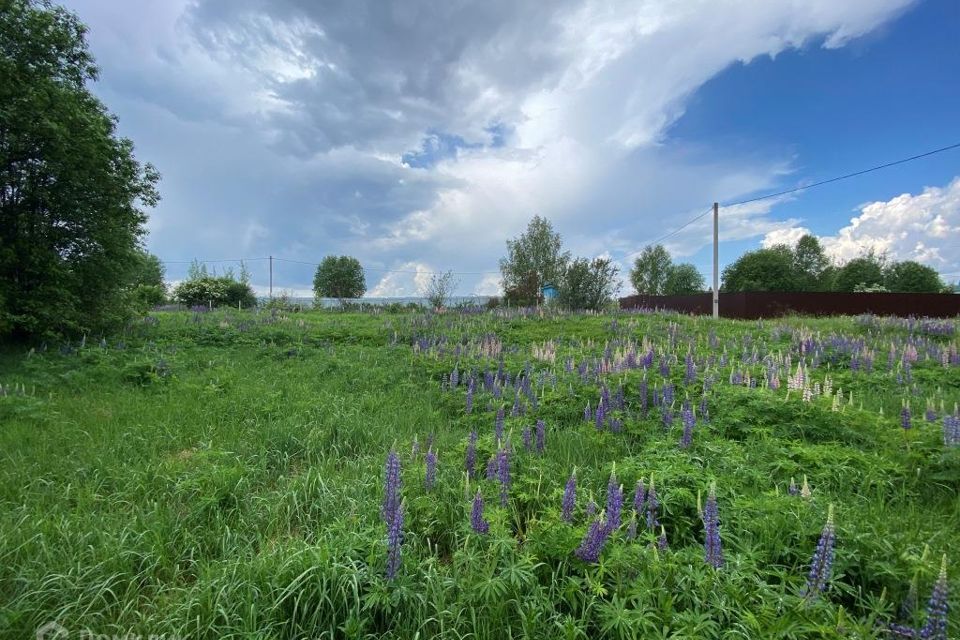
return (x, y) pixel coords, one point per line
(769, 304)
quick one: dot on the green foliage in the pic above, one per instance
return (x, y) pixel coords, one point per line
(72, 194)
(220, 475)
(207, 291)
(863, 272)
(683, 279)
(811, 264)
(651, 271)
(910, 276)
(339, 277)
(769, 269)
(588, 284)
(533, 259)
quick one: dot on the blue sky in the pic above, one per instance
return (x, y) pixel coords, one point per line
(420, 138)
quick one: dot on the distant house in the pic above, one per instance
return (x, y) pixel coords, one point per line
(549, 291)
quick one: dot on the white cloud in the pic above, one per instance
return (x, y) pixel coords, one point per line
(281, 114)
(489, 285)
(923, 227)
(409, 279)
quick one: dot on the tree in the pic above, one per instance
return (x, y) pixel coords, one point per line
(72, 194)
(339, 277)
(214, 291)
(146, 282)
(811, 264)
(440, 288)
(650, 271)
(910, 276)
(683, 279)
(770, 269)
(533, 259)
(588, 284)
(863, 273)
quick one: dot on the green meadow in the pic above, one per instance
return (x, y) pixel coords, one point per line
(221, 475)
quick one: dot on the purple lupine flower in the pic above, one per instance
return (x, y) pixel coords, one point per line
(614, 502)
(639, 497)
(394, 540)
(711, 525)
(587, 413)
(632, 527)
(644, 393)
(470, 396)
(935, 628)
(503, 475)
(793, 490)
(569, 498)
(527, 439)
(477, 521)
(593, 542)
(455, 378)
(653, 504)
(415, 447)
(431, 474)
(688, 423)
(470, 463)
(391, 489)
(492, 467)
(498, 426)
(930, 415)
(905, 419)
(591, 508)
(822, 563)
(541, 432)
(667, 418)
(600, 416)
(662, 544)
(668, 393)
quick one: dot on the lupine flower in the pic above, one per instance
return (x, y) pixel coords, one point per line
(935, 628)
(662, 540)
(527, 439)
(614, 502)
(688, 423)
(431, 475)
(587, 413)
(632, 527)
(653, 504)
(391, 490)
(639, 497)
(492, 467)
(821, 565)
(470, 396)
(905, 419)
(591, 508)
(713, 546)
(503, 475)
(805, 492)
(909, 604)
(569, 497)
(415, 447)
(667, 418)
(793, 490)
(593, 541)
(479, 524)
(541, 432)
(394, 540)
(644, 393)
(471, 458)
(599, 416)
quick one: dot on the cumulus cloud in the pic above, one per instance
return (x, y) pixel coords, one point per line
(284, 126)
(924, 227)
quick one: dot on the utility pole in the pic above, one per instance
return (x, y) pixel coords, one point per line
(714, 267)
(716, 259)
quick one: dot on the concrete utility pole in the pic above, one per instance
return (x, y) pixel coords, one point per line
(271, 274)
(716, 259)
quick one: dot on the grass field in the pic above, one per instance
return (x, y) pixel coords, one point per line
(222, 475)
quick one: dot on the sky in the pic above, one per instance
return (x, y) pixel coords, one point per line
(419, 136)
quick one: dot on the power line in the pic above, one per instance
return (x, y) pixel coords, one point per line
(316, 264)
(767, 196)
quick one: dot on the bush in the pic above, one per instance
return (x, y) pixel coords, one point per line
(213, 291)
